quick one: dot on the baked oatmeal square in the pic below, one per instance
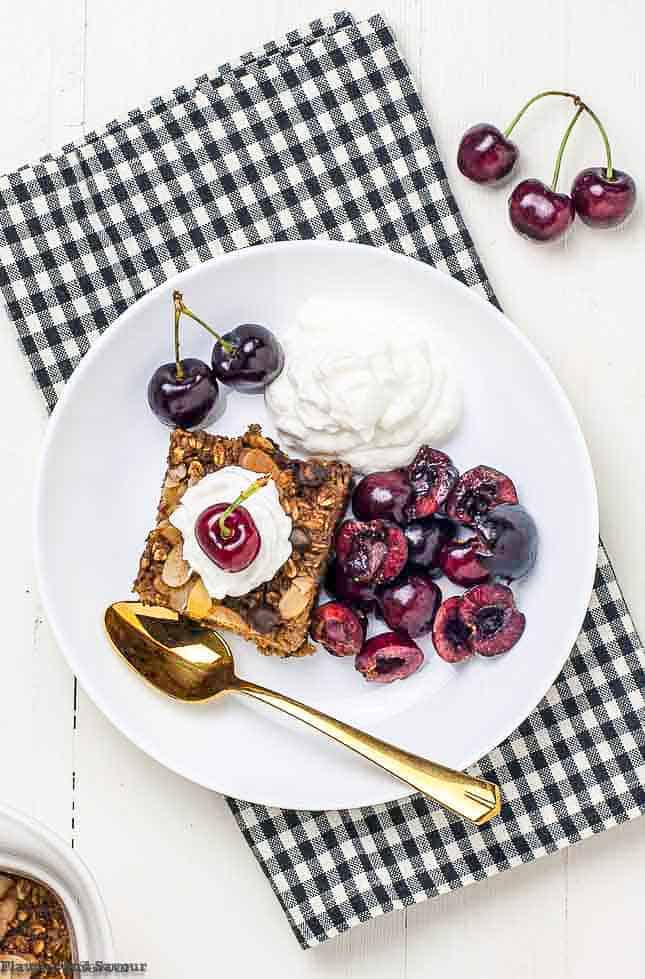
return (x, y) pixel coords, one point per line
(276, 614)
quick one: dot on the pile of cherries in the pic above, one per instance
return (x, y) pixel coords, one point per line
(410, 526)
(602, 197)
(184, 392)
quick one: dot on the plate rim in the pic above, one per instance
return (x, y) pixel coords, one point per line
(143, 742)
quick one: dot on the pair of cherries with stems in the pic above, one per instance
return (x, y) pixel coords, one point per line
(184, 392)
(602, 197)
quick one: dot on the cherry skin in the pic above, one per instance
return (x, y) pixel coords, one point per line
(603, 203)
(186, 401)
(410, 603)
(235, 551)
(389, 656)
(382, 495)
(425, 539)
(460, 562)
(485, 155)
(539, 213)
(256, 360)
(510, 540)
(340, 585)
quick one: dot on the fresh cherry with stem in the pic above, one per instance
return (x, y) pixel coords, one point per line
(603, 196)
(248, 358)
(183, 393)
(486, 154)
(538, 212)
(227, 533)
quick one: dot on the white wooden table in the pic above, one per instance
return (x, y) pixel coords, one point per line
(182, 889)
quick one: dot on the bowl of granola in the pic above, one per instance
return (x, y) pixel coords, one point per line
(51, 913)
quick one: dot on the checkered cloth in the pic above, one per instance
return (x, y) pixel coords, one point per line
(320, 134)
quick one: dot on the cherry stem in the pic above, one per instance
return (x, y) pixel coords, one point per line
(179, 370)
(565, 139)
(249, 491)
(605, 138)
(569, 95)
(180, 307)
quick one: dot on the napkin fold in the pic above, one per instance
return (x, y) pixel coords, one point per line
(320, 134)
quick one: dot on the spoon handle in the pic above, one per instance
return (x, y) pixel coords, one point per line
(467, 796)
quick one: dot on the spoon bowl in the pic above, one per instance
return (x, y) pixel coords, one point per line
(175, 655)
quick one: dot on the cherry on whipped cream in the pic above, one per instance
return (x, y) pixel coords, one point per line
(227, 533)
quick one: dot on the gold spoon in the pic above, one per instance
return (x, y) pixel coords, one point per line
(192, 663)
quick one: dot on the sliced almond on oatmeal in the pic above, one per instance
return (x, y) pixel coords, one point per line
(169, 532)
(175, 475)
(199, 601)
(289, 568)
(258, 461)
(172, 495)
(176, 571)
(6, 884)
(227, 617)
(297, 597)
(195, 472)
(178, 597)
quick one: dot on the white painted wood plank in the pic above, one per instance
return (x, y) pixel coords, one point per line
(489, 930)
(605, 900)
(175, 851)
(40, 84)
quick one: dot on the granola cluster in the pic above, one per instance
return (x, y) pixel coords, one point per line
(33, 929)
(276, 615)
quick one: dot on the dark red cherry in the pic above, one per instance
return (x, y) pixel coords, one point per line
(339, 628)
(432, 476)
(425, 539)
(382, 495)
(341, 586)
(183, 401)
(490, 613)
(410, 603)
(485, 155)
(450, 634)
(510, 541)
(389, 656)
(603, 203)
(461, 564)
(477, 491)
(371, 552)
(256, 360)
(231, 551)
(539, 213)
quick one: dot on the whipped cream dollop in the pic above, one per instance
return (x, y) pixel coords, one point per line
(363, 382)
(273, 524)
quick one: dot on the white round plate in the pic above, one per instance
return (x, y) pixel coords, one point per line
(98, 488)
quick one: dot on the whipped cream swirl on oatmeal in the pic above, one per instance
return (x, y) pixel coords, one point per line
(273, 524)
(363, 382)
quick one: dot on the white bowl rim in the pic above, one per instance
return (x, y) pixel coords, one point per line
(49, 859)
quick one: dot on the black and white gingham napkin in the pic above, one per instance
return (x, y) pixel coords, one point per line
(320, 134)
